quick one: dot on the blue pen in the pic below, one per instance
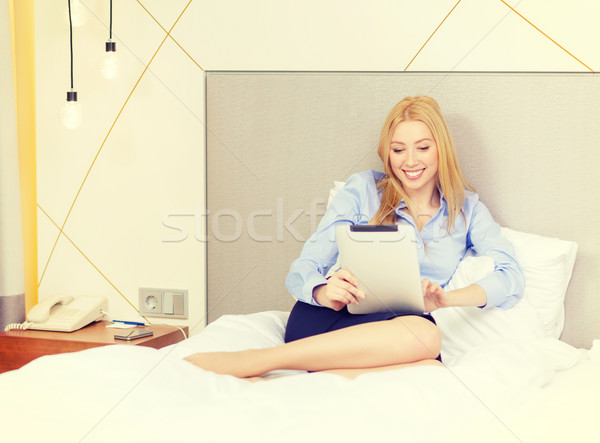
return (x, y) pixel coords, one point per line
(125, 322)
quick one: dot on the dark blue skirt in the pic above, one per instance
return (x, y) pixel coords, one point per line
(307, 320)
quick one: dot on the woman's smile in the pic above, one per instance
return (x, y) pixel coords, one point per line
(414, 174)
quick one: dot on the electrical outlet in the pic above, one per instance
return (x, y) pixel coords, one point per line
(165, 303)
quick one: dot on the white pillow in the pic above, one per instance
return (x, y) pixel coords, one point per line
(548, 265)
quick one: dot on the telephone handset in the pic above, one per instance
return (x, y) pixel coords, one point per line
(64, 313)
(40, 312)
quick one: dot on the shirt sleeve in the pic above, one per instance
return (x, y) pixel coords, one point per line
(320, 251)
(505, 285)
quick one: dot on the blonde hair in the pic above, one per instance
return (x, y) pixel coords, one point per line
(450, 178)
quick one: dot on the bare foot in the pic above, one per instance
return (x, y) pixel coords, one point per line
(242, 364)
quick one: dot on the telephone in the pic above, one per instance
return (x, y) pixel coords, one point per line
(64, 313)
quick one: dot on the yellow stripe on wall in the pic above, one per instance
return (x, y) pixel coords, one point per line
(23, 35)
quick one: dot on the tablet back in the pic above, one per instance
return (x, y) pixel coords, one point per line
(384, 260)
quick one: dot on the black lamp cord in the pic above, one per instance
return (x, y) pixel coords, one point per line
(71, 41)
(110, 28)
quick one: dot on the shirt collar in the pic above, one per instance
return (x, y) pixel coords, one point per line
(443, 203)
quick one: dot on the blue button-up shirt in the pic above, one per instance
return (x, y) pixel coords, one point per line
(439, 252)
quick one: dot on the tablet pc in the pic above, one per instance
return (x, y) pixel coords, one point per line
(384, 260)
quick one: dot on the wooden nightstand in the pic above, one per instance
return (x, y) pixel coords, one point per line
(18, 348)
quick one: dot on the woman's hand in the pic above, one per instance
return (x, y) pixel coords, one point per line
(434, 296)
(341, 289)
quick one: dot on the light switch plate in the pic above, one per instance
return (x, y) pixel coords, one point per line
(155, 302)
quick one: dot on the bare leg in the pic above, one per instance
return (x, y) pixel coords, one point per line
(400, 340)
(353, 373)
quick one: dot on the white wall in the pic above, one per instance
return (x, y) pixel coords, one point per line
(139, 154)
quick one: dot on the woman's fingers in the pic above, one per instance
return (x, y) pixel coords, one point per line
(345, 297)
(345, 281)
(341, 294)
(344, 274)
(425, 283)
(341, 289)
(434, 295)
(353, 290)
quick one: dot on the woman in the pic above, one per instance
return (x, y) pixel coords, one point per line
(423, 186)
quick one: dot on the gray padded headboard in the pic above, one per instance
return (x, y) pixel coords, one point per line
(276, 141)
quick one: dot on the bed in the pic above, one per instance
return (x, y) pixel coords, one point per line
(527, 374)
(540, 390)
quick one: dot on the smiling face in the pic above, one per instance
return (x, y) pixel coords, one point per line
(414, 157)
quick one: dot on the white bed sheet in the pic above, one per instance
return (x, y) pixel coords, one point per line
(529, 391)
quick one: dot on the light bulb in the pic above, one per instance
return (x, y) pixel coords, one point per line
(71, 112)
(110, 64)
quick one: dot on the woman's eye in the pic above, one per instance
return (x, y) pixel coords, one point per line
(397, 150)
(424, 148)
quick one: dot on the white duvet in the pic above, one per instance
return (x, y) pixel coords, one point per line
(512, 391)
